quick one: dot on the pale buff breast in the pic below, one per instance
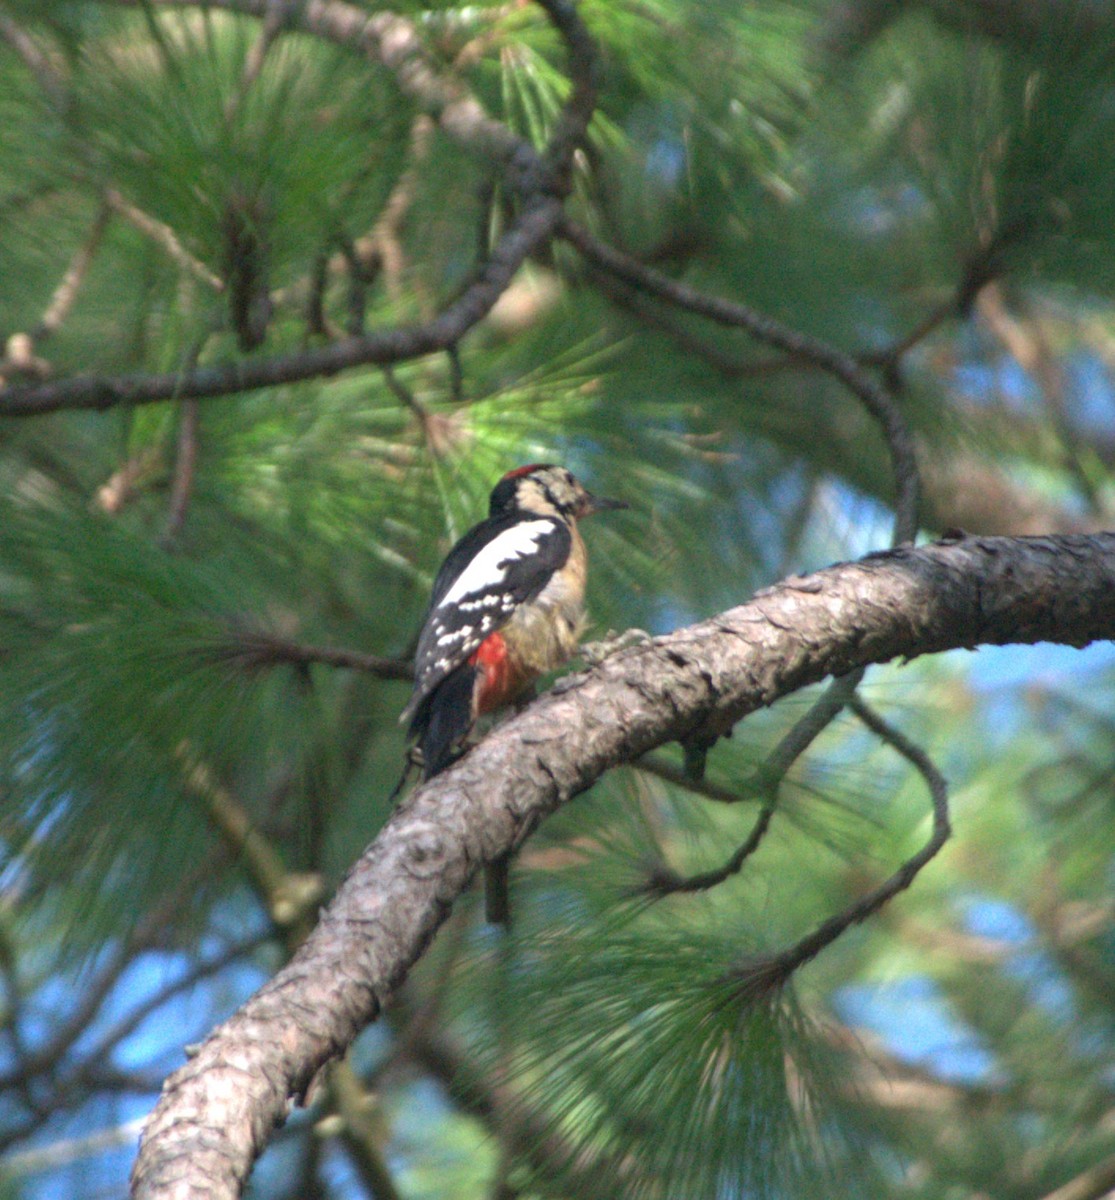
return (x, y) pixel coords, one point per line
(544, 634)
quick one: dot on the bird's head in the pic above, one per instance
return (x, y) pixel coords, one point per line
(547, 489)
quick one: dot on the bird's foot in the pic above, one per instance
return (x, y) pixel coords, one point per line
(612, 643)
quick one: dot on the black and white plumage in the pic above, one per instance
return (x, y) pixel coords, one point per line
(500, 564)
(507, 606)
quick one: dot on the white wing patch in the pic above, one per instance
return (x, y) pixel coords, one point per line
(475, 588)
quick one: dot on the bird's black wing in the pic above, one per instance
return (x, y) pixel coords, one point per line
(498, 565)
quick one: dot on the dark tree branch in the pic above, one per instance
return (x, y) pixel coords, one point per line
(766, 784)
(532, 227)
(218, 1111)
(665, 882)
(540, 180)
(253, 650)
(873, 396)
(762, 974)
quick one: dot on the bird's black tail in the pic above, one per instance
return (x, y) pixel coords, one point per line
(443, 721)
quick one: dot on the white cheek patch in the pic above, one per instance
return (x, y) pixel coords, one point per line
(483, 576)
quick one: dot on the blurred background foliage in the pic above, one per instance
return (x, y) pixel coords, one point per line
(206, 608)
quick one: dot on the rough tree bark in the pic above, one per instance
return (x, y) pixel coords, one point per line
(217, 1112)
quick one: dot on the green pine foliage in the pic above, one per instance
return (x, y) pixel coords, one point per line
(240, 196)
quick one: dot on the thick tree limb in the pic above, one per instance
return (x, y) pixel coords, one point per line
(218, 1111)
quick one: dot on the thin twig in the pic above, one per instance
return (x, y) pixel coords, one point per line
(184, 466)
(764, 973)
(1026, 340)
(405, 396)
(19, 352)
(316, 324)
(731, 366)
(362, 1133)
(653, 764)
(290, 897)
(147, 933)
(62, 300)
(205, 969)
(357, 302)
(889, 358)
(272, 24)
(40, 1159)
(766, 784)
(379, 250)
(49, 77)
(164, 237)
(252, 649)
(875, 398)
(662, 881)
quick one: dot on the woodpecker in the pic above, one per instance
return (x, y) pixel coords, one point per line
(507, 606)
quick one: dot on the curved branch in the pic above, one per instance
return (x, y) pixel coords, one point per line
(392, 41)
(766, 784)
(875, 398)
(767, 972)
(539, 178)
(533, 225)
(217, 1112)
(254, 649)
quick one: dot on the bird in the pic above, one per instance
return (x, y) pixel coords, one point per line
(507, 606)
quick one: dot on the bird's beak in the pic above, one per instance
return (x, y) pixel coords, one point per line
(594, 504)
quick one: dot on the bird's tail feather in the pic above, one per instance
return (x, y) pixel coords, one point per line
(444, 720)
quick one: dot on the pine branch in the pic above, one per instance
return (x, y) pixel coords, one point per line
(873, 396)
(217, 1112)
(766, 784)
(19, 351)
(255, 649)
(764, 974)
(530, 229)
(539, 179)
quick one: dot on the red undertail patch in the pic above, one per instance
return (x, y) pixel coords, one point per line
(498, 682)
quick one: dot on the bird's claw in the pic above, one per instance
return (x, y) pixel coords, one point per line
(612, 643)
